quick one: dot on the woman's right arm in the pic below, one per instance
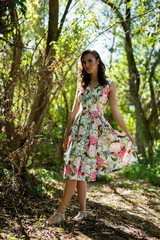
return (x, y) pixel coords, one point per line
(71, 118)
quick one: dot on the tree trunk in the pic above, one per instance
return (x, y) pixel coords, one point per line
(140, 137)
(134, 76)
(22, 144)
(11, 83)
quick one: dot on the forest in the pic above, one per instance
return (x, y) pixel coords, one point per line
(40, 46)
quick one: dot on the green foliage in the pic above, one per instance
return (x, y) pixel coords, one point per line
(105, 178)
(143, 171)
(33, 30)
(12, 238)
(7, 24)
(45, 178)
(144, 33)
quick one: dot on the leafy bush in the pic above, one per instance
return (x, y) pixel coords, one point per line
(142, 171)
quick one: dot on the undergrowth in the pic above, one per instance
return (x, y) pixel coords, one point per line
(142, 171)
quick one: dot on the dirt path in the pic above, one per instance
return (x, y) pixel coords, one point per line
(118, 209)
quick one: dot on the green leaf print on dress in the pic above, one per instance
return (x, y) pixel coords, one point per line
(94, 147)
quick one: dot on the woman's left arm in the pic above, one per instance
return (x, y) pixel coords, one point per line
(116, 113)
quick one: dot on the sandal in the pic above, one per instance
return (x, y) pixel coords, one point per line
(55, 218)
(80, 216)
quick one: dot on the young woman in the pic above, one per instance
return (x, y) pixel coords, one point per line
(91, 145)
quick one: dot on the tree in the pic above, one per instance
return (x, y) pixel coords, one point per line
(40, 58)
(22, 141)
(146, 119)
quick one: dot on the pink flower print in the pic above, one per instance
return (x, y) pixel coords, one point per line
(92, 141)
(98, 153)
(122, 145)
(112, 129)
(92, 121)
(95, 114)
(106, 90)
(95, 125)
(67, 170)
(86, 147)
(93, 176)
(121, 153)
(82, 131)
(78, 171)
(91, 151)
(98, 168)
(129, 151)
(113, 154)
(88, 113)
(100, 161)
(97, 108)
(81, 163)
(100, 94)
(103, 99)
(69, 141)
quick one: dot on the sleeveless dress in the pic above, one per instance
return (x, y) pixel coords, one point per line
(94, 147)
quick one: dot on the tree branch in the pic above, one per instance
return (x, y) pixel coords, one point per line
(118, 13)
(154, 106)
(52, 25)
(64, 16)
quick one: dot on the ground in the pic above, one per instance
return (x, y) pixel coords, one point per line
(117, 209)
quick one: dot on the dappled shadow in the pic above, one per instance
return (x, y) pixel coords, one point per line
(113, 187)
(125, 220)
(24, 213)
(152, 204)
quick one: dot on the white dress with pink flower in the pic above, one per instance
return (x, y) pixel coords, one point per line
(94, 147)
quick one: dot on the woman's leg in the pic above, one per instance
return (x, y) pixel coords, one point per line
(69, 189)
(81, 191)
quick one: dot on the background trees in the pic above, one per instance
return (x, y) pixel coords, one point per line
(40, 46)
(141, 50)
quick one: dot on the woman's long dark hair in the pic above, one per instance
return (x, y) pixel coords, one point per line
(84, 78)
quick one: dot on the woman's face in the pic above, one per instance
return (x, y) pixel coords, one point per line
(90, 63)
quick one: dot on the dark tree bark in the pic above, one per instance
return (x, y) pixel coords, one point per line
(11, 83)
(66, 104)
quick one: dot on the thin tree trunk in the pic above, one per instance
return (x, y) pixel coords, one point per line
(140, 137)
(134, 76)
(11, 83)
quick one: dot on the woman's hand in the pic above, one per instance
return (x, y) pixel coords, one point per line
(65, 142)
(131, 138)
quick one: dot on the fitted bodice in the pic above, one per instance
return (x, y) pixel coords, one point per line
(95, 100)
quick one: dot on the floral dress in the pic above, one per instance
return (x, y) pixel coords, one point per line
(94, 147)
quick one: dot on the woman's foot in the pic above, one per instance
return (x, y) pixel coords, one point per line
(81, 215)
(55, 218)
